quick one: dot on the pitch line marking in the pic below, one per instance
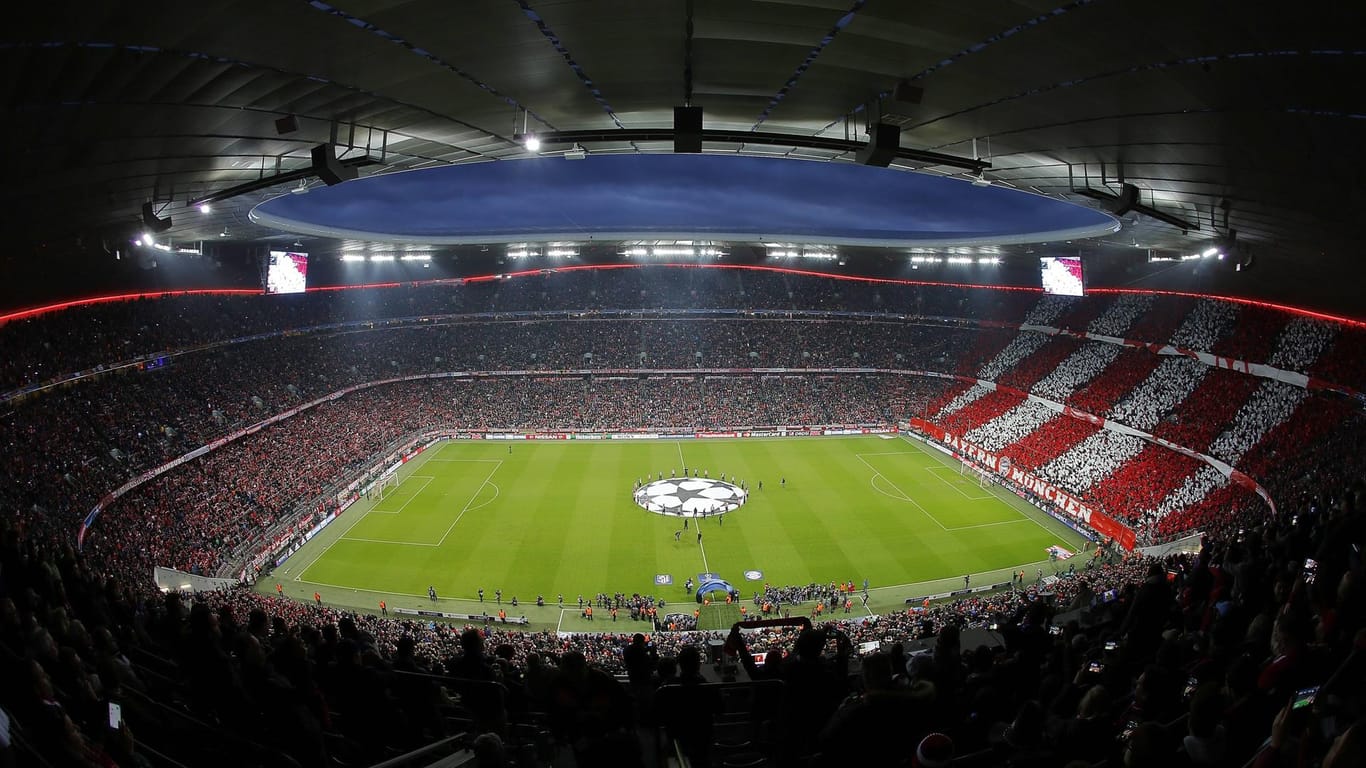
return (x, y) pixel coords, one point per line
(500, 461)
(360, 589)
(410, 498)
(903, 493)
(354, 520)
(993, 490)
(682, 461)
(1021, 519)
(873, 481)
(469, 503)
(387, 541)
(964, 494)
(496, 492)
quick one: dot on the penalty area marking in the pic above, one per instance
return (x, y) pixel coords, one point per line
(387, 541)
(354, 520)
(934, 471)
(496, 492)
(873, 482)
(994, 490)
(429, 480)
(907, 496)
(470, 503)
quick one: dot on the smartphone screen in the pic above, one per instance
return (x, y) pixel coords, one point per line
(1305, 697)
(115, 715)
(1095, 667)
(1311, 569)
(1191, 685)
(1110, 645)
(1055, 630)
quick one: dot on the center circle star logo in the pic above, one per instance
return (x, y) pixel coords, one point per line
(690, 497)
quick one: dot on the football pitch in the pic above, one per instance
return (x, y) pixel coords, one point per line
(560, 518)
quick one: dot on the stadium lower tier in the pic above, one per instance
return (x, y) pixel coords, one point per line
(223, 503)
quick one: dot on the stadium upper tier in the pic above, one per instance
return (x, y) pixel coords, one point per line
(43, 346)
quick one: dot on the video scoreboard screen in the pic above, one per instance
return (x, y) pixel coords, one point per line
(287, 272)
(1062, 275)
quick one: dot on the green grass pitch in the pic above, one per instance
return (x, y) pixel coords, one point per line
(551, 518)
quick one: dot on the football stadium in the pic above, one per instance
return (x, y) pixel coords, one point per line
(682, 384)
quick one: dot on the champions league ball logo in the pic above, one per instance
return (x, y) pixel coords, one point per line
(690, 497)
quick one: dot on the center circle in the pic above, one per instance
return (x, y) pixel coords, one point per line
(690, 497)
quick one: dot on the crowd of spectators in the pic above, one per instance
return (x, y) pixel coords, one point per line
(1246, 620)
(1205, 411)
(1079, 468)
(1163, 390)
(103, 431)
(1121, 376)
(1208, 322)
(979, 411)
(1140, 661)
(1121, 314)
(1051, 439)
(1042, 362)
(1011, 427)
(1301, 343)
(233, 495)
(1078, 369)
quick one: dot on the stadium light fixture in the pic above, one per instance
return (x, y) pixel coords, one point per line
(205, 208)
(1210, 252)
(417, 257)
(382, 257)
(533, 144)
(352, 257)
(147, 239)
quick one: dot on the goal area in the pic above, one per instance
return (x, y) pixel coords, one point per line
(383, 486)
(972, 473)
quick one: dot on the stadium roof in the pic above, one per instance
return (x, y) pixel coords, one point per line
(1226, 116)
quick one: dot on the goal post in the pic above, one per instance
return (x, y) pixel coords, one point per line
(383, 486)
(972, 473)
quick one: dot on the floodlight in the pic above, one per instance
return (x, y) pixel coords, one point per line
(205, 208)
(533, 144)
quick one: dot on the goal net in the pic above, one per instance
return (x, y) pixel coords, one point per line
(972, 473)
(383, 486)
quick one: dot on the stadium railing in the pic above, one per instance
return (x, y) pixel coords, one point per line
(450, 751)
